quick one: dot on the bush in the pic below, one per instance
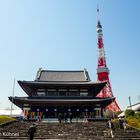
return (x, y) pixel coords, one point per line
(137, 115)
(129, 113)
(133, 121)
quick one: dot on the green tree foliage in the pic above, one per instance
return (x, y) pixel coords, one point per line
(137, 115)
(129, 113)
(133, 119)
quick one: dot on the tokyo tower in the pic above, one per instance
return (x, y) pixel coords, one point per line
(103, 71)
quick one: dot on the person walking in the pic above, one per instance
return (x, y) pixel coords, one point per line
(59, 117)
(28, 117)
(70, 117)
(65, 117)
(110, 127)
(32, 131)
(120, 123)
(124, 124)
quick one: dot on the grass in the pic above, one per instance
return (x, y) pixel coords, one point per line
(5, 119)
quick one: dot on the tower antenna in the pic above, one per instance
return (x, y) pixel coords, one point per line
(97, 9)
(98, 13)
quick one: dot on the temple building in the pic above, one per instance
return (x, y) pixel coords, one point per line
(54, 92)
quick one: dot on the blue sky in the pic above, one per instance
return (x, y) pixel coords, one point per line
(61, 35)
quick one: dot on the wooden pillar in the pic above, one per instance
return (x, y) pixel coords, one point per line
(26, 111)
(40, 114)
(32, 115)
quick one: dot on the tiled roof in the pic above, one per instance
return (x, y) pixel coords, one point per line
(30, 86)
(50, 75)
(19, 101)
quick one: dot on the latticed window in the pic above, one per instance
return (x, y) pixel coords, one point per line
(62, 92)
(41, 92)
(84, 92)
(52, 92)
(73, 92)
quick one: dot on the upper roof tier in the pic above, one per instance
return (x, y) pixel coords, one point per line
(49, 79)
(65, 76)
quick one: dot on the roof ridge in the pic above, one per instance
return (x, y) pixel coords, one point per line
(61, 70)
(62, 75)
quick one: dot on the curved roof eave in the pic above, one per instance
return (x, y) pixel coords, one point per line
(19, 101)
(30, 86)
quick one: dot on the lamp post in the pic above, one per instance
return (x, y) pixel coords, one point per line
(129, 101)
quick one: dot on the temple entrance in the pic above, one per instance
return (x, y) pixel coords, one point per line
(77, 112)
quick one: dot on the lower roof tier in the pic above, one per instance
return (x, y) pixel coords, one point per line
(20, 101)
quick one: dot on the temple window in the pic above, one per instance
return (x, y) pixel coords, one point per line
(41, 92)
(84, 92)
(97, 112)
(62, 92)
(73, 92)
(52, 92)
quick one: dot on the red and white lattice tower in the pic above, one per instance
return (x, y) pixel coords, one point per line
(103, 71)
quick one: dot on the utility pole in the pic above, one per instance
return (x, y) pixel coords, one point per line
(129, 101)
(12, 97)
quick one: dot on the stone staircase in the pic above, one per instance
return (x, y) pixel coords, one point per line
(66, 131)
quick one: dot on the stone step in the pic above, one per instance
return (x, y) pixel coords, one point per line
(121, 138)
(53, 138)
(79, 131)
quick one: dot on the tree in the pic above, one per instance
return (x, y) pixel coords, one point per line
(129, 113)
(108, 114)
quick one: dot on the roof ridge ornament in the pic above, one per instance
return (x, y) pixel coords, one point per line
(38, 74)
(86, 75)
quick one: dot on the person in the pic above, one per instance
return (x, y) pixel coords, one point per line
(65, 117)
(20, 119)
(32, 131)
(110, 127)
(70, 117)
(28, 117)
(59, 117)
(77, 118)
(39, 118)
(85, 119)
(120, 123)
(124, 124)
